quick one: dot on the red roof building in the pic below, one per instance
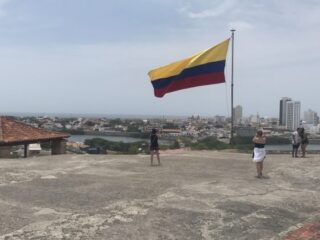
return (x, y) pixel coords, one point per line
(14, 133)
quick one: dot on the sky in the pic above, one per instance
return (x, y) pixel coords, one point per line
(93, 56)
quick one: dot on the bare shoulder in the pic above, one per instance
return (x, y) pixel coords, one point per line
(259, 140)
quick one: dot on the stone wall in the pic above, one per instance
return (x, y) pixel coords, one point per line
(5, 151)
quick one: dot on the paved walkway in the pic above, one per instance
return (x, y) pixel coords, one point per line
(193, 195)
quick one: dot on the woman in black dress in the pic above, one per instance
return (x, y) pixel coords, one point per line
(154, 146)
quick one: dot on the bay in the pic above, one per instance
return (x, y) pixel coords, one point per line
(82, 138)
(288, 147)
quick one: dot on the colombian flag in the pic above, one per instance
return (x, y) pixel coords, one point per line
(204, 68)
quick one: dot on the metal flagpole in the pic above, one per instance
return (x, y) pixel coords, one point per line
(232, 111)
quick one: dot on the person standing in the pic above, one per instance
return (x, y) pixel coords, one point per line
(154, 146)
(259, 152)
(296, 141)
(304, 142)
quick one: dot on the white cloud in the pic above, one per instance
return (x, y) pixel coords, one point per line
(217, 10)
(2, 5)
(240, 25)
(3, 2)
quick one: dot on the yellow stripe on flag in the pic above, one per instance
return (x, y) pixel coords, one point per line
(214, 54)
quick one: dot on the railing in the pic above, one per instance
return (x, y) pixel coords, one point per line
(290, 151)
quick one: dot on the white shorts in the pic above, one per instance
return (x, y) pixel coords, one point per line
(259, 154)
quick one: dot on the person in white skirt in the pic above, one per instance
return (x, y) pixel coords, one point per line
(259, 152)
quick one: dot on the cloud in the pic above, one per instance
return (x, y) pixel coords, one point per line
(3, 2)
(215, 11)
(240, 25)
(2, 5)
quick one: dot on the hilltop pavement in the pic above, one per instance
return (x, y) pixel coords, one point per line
(193, 195)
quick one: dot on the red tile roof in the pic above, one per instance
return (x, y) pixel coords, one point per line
(12, 131)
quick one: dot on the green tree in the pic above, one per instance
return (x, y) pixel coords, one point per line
(116, 121)
(175, 145)
(120, 147)
(209, 143)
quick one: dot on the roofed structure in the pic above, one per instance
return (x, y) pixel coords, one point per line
(13, 133)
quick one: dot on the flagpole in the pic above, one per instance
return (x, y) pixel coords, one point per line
(232, 112)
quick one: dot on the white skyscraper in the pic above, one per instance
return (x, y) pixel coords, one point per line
(238, 114)
(283, 111)
(293, 114)
(311, 117)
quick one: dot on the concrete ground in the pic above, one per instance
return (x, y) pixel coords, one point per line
(193, 195)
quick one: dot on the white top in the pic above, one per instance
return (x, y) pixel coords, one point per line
(296, 137)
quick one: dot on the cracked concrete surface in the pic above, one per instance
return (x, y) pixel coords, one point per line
(193, 195)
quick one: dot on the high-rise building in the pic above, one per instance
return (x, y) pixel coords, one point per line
(311, 117)
(283, 111)
(237, 114)
(292, 114)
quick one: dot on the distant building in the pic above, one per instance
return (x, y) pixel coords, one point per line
(237, 114)
(253, 119)
(171, 132)
(283, 111)
(311, 117)
(273, 121)
(220, 119)
(246, 131)
(310, 128)
(292, 114)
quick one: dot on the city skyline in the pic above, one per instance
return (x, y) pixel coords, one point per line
(92, 57)
(238, 114)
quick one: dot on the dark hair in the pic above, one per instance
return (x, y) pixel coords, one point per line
(154, 131)
(259, 132)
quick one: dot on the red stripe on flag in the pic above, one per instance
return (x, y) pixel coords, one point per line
(189, 82)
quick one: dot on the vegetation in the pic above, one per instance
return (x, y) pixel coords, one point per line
(274, 140)
(243, 144)
(116, 121)
(133, 128)
(170, 125)
(175, 145)
(278, 140)
(79, 131)
(125, 148)
(209, 143)
(46, 145)
(119, 147)
(187, 141)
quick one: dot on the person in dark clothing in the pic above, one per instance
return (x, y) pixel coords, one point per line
(154, 146)
(304, 142)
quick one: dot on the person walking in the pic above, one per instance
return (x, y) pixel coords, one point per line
(304, 142)
(259, 152)
(296, 141)
(154, 146)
